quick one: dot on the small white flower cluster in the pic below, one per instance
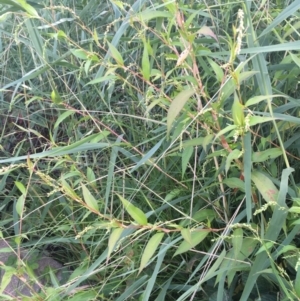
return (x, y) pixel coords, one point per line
(239, 31)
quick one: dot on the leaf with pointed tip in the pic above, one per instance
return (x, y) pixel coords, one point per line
(150, 248)
(115, 54)
(113, 239)
(196, 238)
(137, 214)
(177, 105)
(265, 186)
(89, 199)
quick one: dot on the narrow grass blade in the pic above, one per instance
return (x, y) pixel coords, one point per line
(148, 155)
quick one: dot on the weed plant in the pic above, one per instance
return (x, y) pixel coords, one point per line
(152, 146)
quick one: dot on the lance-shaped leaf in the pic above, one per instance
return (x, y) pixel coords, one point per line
(265, 186)
(113, 239)
(196, 238)
(150, 248)
(115, 54)
(89, 199)
(177, 105)
(265, 155)
(237, 112)
(137, 214)
(145, 62)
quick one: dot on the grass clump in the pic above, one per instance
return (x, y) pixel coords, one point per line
(152, 147)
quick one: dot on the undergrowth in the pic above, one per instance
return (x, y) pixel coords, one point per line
(152, 147)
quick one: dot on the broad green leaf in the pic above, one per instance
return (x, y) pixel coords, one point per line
(225, 130)
(89, 199)
(62, 117)
(237, 241)
(235, 183)
(146, 63)
(256, 99)
(21, 187)
(259, 119)
(230, 86)
(113, 239)
(265, 186)
(265, 247)
(177, 105)
(235, 154)
(80, 53)
(295, 59)
(193, 142)
(295, 209)
(149, 14)
(137, 214)
(217, 69)
(116, 54)
(262, 156)
(20, 204)
(207, 140)
(90, 175)
(186, 234)
(185, 158)
(102, 79)
(6, 277)
(28, 8)
(55, 97)
(196, 238)
(237, 111)
(150, 248)
(204, 215)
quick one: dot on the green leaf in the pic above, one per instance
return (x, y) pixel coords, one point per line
(137, 214)
(186, 234)
(271, 153)
(148, 14)
(237, 112)
(235, 154)
(265, 186)
(150, 248)
(196, 238)
(20, 204)
(102, 79)
(257, 99)
(55, 97)
(237, 241)
(80, 53)
(115, 54)
(259, 119)
(146, 63)
(62, 117)
(235, 183)
(185, 158)
(265, 247)
(89, 199)
(177, 105)
(217, 69)
(28, 8)
(113, 239)
(21, 187)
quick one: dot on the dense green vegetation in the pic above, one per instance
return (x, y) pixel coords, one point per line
(153, 146)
